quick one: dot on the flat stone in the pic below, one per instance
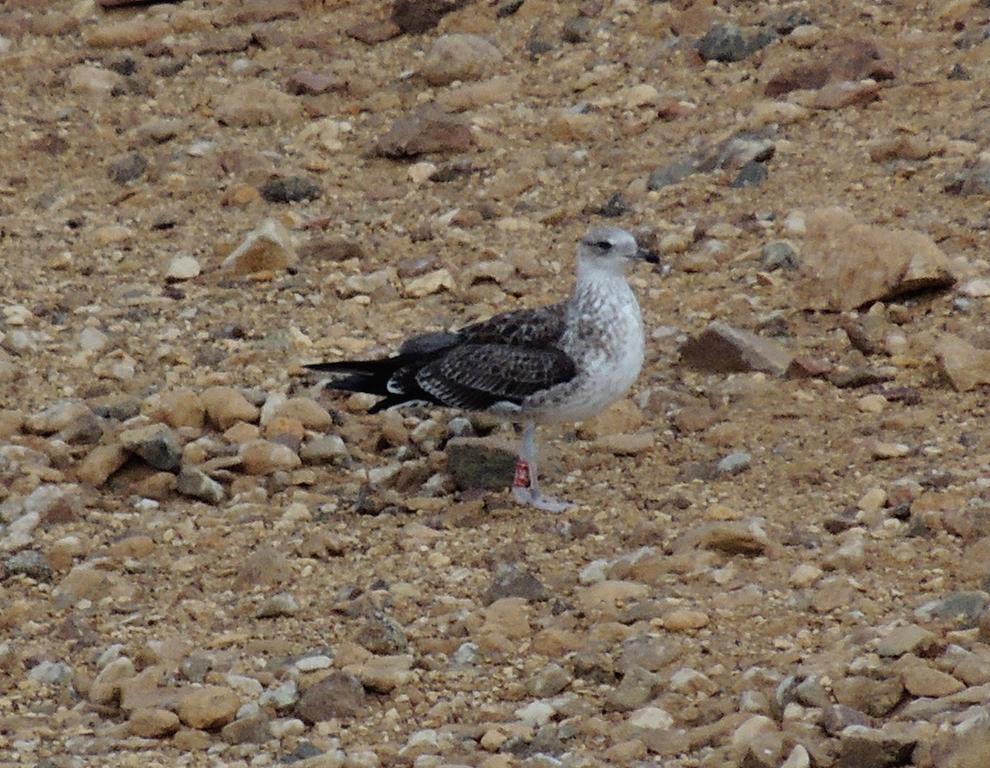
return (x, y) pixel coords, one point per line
(209, 707)
(150, 723)
(477, 463)
(252, 104)
(267, 248)
(906, 639)
(965, 366)
(720, 348)
(156, 444)
(922, 680)
(429, 129)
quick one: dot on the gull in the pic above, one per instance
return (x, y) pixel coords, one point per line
(565, 362)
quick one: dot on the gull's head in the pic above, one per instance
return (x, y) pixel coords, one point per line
(612, 248)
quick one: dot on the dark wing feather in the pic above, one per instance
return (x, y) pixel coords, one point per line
(536, 328)
(476, 376)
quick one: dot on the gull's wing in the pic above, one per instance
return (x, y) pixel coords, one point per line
(477, 376)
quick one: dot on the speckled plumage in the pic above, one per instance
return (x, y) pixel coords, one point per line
(559, 363)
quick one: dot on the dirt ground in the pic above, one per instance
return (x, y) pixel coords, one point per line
(769, 566)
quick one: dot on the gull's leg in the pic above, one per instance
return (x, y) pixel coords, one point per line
(526, 485)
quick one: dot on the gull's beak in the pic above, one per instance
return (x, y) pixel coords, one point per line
(650, 257)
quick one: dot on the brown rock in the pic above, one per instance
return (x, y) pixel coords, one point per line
(848, 265)
(459, 57)
(226, 406)
(417, 16)
(267, 248)
(101, 463)
(127, 34)
(478, 463)
(179, 408)
(426, 130)
(720, 348)
(307, 412)
(253, 729)
(907, 639)
(150, 723)
(373, 32)
(874, 697)
(338, 695)
(261, 457)
(965, 366)
(846, 93)
(253, 104)
(106, 687)
(209, 707)
(922, 680)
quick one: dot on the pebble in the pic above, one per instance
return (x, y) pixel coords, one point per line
(780, 254)
(684, 620)
(267, 248)
(909, 638)
(127, 168)
(30, 563)
(650, 719)
(282, 604)
(209, 707)
(261, 457)
(535, 714)
(150, 723)
(459, 57)
(156, 444)
(197, 484)
(477, 463)
(182, 268)
(338, 695)
(314, 663)
(734, 463)
(252, 104)
(964, 365)
(290, 189)
(51, 673)
(922, 680)
(429, 129)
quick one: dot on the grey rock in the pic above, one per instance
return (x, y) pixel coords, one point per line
(477, 463)
(720, 348)
(156, 444)
(861, 747)
(780, 254)
(577, 29)
(734, 463)
(30, 563)
(963, 608)
(673, 173)
(752, 174)
(197, 484)
(253, 729)
(51, 673)
(635, 690)
(282, 604)
(290, 189)
(974, 180)
(727, 43)
(512, 581)
(383, 635)
(338, 695)
(281, 697)
(127, 168)
(549, 681)
(466, 653)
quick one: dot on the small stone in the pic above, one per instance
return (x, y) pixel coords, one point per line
(282, 604)
(325, 449)
(182, 268)
(427, 130)
(723, 42)
(805, 575)
(909, 638)
(261, 457)
(307, 412)
(132, 33)
(651, 719)
(382, 635)
(922, 680)
(197, 484)
(459, 57)
(734, 463)
(874, 697)
(752, 174)
(51, 673)
(477, 463)
(208, 708)
(127, 168)
(339, 695)
(635, 689)
(266, 565)
(861, 747)
(30, 563)
(724, 349)
(428, 284)
(178, 408)
(314, 663)
(626, 445)
(535, 714)
(780, 254)
(105, 688)
(290, 189)
(965, 366)
(148, 723)
(549, 681)
(225, 406)
(684, 620)
(252, 104)
(95, 81)
(267, 248)
(156, 444)
(513, 581)
(251, 729)
(418, 16)
(846, 93)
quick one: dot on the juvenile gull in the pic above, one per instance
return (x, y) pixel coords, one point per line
(560, 363)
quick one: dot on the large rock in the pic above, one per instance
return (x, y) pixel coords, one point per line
(428, 129)
(965, 366)
(847, 265)
(459, 57)
(720, 348)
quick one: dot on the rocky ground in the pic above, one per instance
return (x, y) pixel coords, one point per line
(780, 554)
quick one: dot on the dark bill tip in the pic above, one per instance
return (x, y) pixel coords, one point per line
(650, 257)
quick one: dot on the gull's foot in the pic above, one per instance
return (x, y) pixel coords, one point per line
(530, 498)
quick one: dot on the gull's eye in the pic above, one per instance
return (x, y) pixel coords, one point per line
(603, 244)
